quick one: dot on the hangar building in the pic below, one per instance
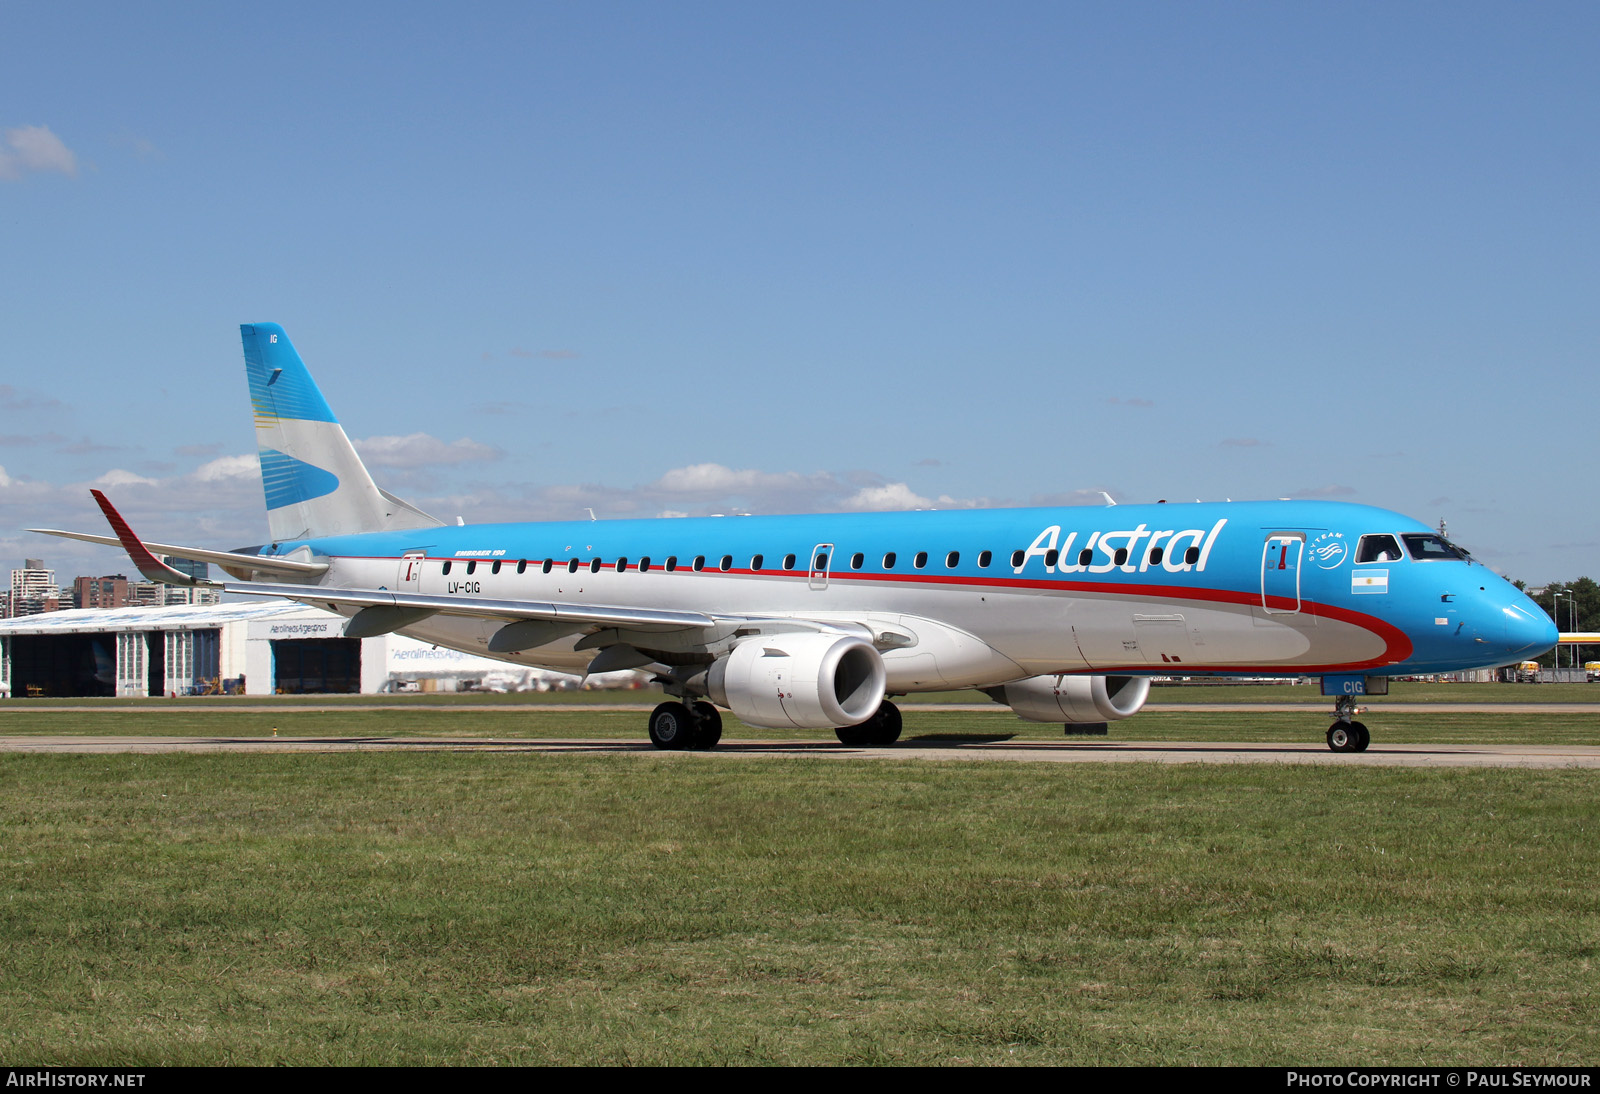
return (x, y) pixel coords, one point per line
(250, 648)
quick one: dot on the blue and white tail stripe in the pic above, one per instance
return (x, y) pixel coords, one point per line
(314, 482)
(288, 480)
(280, 386)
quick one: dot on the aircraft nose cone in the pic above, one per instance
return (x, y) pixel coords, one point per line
(1529, 631)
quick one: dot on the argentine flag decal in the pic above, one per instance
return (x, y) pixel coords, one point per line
(1369, 581)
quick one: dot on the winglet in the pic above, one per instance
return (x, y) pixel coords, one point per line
(149, 565)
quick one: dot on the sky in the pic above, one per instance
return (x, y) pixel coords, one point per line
(660, 259)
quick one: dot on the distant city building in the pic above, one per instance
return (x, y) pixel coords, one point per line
(100, 592)
(190, 594)
(146, 594)
(34, 589)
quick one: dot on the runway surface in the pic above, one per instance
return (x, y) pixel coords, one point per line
(1167, 752)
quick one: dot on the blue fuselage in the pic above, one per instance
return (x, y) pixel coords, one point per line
(1288, 587)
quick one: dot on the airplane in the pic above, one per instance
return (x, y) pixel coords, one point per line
(1063, 614)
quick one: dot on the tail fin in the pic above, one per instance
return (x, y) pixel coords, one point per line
(316, 485)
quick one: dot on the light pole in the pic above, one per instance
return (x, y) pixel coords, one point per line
(1555, 613)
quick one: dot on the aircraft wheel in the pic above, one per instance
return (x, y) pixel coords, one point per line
(707, 727)
(1363, 738)
(885, 724)
(1341, 736)
(672, 726)
(856, 736)
(883, 728)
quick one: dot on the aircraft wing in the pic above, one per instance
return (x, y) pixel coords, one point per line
(580, 615)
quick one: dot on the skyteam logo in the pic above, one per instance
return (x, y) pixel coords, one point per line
(1329, 549)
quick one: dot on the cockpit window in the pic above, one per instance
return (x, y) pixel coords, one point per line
(1426, 548)
(1383, 548)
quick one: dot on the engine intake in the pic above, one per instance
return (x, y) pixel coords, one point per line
(1074, 700)
(800, 681)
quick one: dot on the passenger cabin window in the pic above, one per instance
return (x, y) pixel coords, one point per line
(1425, 548)
(1192, 555)
(495, 568)
(672, 563)
(984, 558)
(547, 564)
(953, 559)
(726, 564)
(820, 562)
(471, 566)
(699, 563)
(1051, 557)
(1121, 557)
(446, 566)
(1085, 556)
(856, 560)
(788, 562)
(594, 566)
(888, 561)
(622, 565)
(756, 561)
(644, 564)
(921, 560)
(572, 566)
(522, 565)
(1016, 559)
(1378, 549)
(1156, 555)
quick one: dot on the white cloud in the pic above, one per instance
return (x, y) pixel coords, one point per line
(228, 467)
(118, 477)
(34, 148)
(893, 495)
(713, 478)
(421, 450)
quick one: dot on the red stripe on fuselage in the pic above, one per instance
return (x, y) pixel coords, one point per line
(1397, 645)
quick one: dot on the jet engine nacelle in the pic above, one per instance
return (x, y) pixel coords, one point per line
(1074, 699)
(800, 681)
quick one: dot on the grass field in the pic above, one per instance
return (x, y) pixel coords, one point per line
(681, 908)
(449, 908)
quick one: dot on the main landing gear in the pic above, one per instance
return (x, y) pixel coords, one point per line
(695, 727)
(1347, 735)
(681, 726)
(883, 728)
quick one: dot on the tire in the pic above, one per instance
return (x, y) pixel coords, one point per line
(1342, 737)
(886, 724)
(707, 726)
(856, 736)
(883, 728)
(1363, 738)
(672, 726)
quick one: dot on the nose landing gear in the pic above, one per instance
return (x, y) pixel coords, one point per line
(1347, 734)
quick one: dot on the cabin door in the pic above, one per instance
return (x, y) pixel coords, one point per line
(409, 579)
(1280, 572)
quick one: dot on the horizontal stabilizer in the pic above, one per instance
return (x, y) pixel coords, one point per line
(232, 561)
(142, 552)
